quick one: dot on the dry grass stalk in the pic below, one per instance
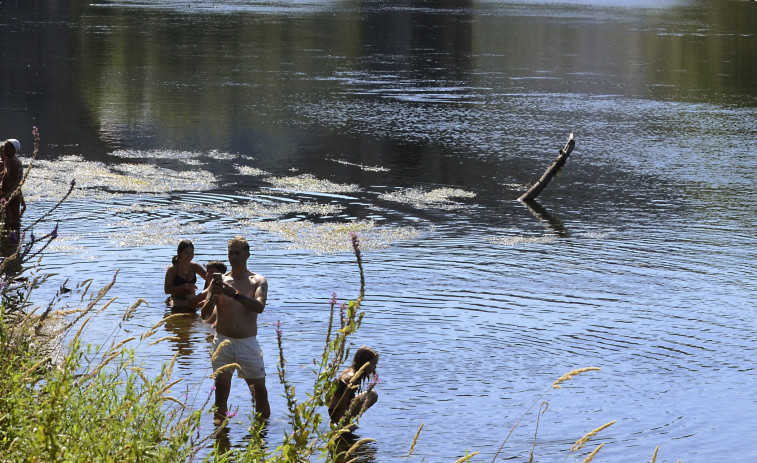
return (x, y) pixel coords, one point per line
(654, 455)
(169, 370)
(165, 338)
(357, 445)
(218, 350)
(591, 456)
(580, 442)
(415, 440)
(38, 364)
(65, 312)
(123, 342)
(86, 284)
(99, 367)
(107, 304)
(346, 429)
(141, 374)
(99, 296)
(467, 457)
(542, 409)
(174, 399)
(356, 378)
(169, 385)
(170, 317)
(78, 333)
(224, 368)
(569, 375)
(128, 313)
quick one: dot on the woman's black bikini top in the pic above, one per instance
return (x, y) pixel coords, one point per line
(179, 280)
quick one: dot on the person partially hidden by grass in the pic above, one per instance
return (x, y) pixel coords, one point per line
(349, 400)
(11, 173)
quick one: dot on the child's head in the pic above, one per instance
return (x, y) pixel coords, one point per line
(215, 266)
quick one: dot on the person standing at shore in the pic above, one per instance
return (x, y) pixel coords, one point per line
(238, 297)
(12, 172)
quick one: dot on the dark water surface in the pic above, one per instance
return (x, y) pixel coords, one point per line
(417, 124)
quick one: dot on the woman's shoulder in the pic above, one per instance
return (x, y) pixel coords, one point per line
(347, 375)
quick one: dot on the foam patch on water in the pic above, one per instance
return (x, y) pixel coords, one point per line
(268, 210)
(518, 240)
(438, 198)
(50, 180)
(186, 156)
(309, 183)
(254, 171)
(327, 238)
(361, 166)
(129, 233)
(251, 209)
(67, 244)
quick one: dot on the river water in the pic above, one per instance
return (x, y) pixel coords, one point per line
(418, 124)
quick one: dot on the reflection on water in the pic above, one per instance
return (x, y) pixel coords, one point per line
(554, 223)
(182, 336)
(365, 452)
(418, 126)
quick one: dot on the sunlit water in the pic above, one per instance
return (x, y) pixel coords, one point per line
(417, 126)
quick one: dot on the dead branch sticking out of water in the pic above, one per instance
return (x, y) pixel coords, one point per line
(551, 171)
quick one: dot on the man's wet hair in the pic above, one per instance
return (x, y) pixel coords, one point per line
(242, 241)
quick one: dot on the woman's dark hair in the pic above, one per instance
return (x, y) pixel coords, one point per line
(363, 355)
(183, 244)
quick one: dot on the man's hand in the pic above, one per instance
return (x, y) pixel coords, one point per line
(219, 287)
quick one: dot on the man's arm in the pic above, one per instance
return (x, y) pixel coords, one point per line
(256, 302)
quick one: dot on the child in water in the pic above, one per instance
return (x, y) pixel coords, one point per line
(214, 266)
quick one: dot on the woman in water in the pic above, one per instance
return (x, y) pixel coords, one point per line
(349, 401)
(181, 279)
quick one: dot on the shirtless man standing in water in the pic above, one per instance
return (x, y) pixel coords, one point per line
(238, 298)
